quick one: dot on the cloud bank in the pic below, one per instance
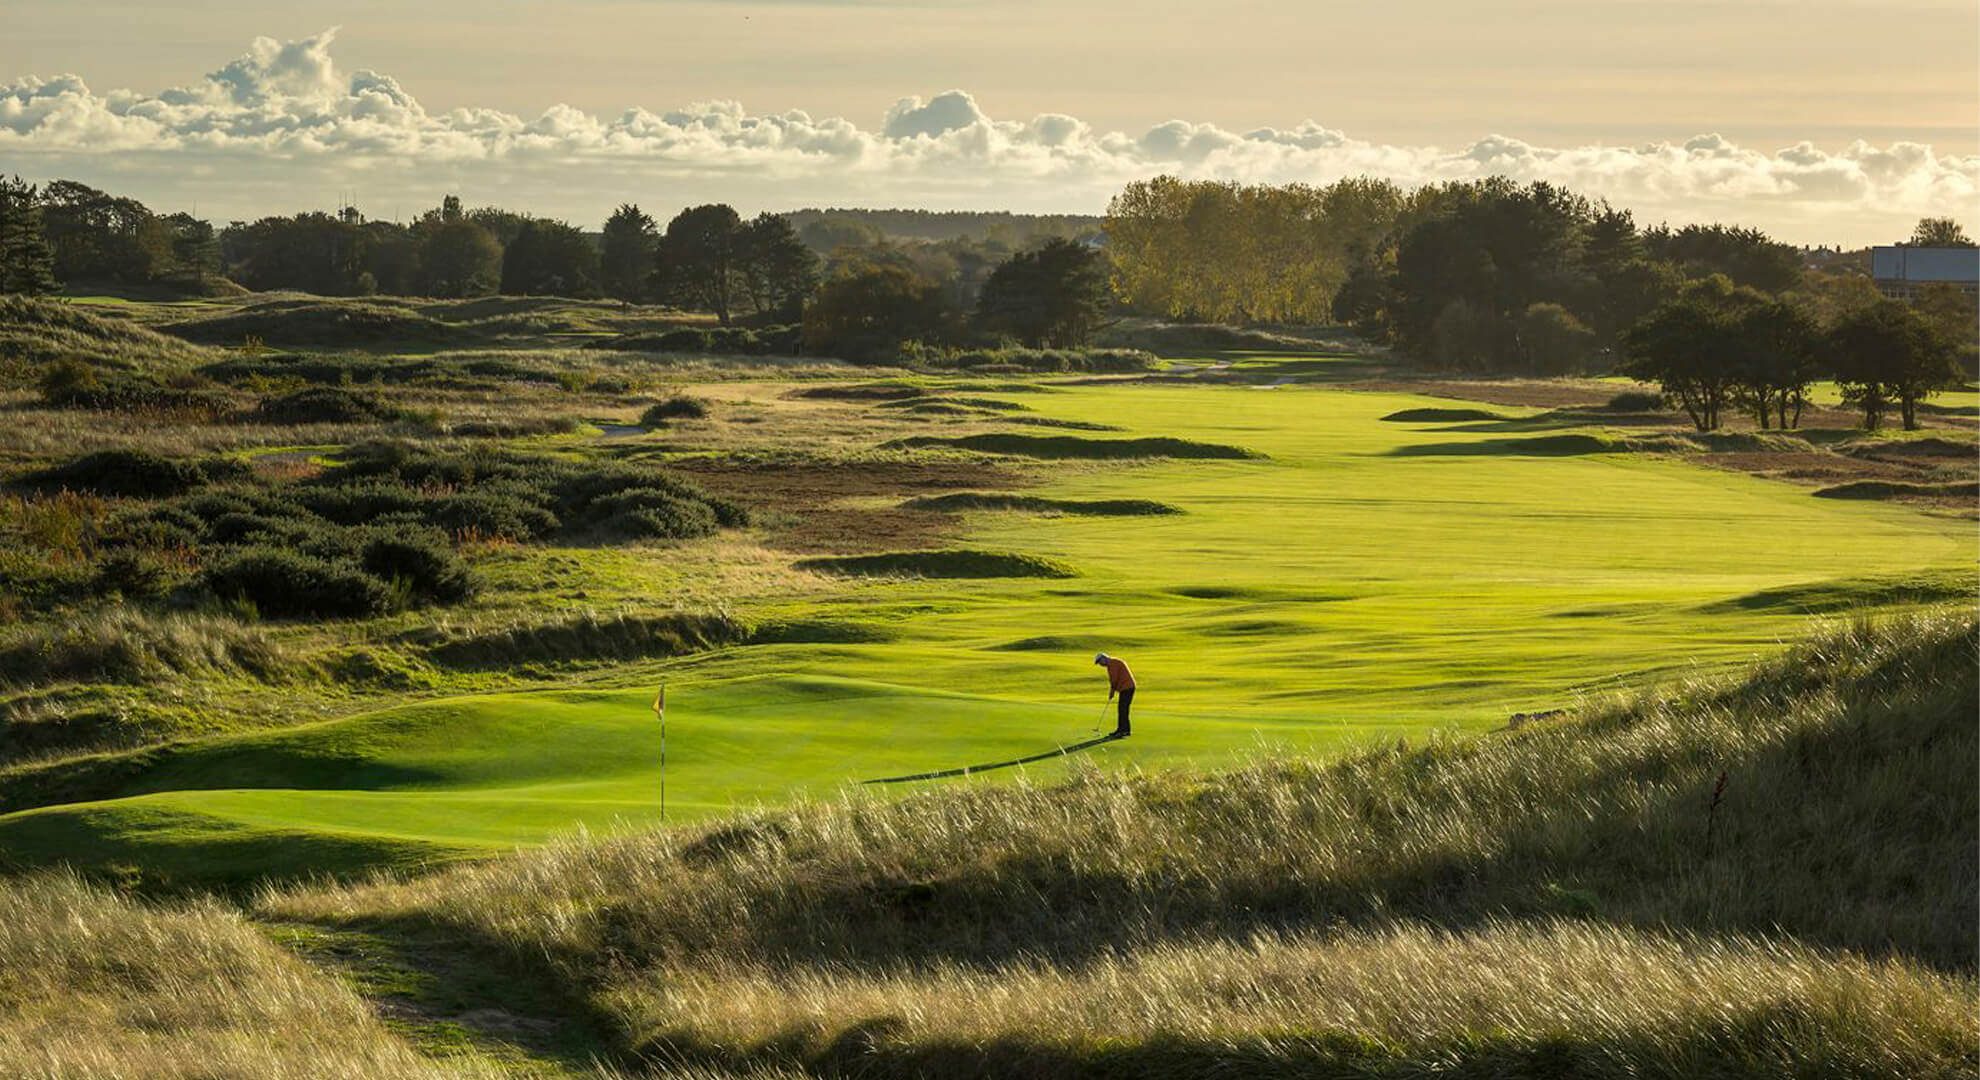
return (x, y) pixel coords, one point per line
(282, 120)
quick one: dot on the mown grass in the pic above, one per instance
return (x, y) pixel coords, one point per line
(1772, 876)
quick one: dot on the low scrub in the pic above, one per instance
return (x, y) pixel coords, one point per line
(73, 384)
(324, 405)
(1073, 446)
(1636, 401)
(714, 340)
(1089, 361)
(951, 563)
(678, 407)
(962, 501)
(127, 645)
(132, 472)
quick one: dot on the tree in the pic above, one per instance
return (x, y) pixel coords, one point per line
(1689, 349)
(1938, 232)
(1554, 341)
(1888, 354)
(1747, 256)
(775, 269)
(550, 258)
(459, 258)
(866, 310)
(313, 252)
(27, 263)
(101, 237)
(697, 264)
(1779, 358)
(1053, 296)
(625, 263)
(195, 247)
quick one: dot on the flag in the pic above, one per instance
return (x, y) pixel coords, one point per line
(660, 703)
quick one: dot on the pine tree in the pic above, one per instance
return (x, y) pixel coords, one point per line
(27, 263)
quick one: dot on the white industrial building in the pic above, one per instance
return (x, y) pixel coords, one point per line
(1901, 271)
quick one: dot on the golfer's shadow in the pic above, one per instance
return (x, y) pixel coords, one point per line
(966, 770)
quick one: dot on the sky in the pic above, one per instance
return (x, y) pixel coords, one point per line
(1822, 121)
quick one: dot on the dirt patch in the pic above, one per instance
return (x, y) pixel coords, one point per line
(819, 501)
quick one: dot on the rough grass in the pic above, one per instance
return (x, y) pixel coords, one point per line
(316, 322)
(1073, 446)
(962, 501)
(129, 645)
(92, 985)
(35, 333)
(1654, 888)
(951, 563)
(587, 637)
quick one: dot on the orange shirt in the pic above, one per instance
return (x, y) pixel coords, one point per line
(1118, 676)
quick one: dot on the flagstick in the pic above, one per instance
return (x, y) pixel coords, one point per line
(660, 706)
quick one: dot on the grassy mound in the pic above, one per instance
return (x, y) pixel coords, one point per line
(317, 322)
(1845, 594)
(36, 333)
(952, 563)
(963, 501)
(1773, 876)
(1897, 489)
(1424, 416)
(131, 646)
(1073, 446)
(586, 638)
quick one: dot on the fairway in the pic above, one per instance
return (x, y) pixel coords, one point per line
(1362, 579)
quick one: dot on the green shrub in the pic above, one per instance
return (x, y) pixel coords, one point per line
(280, 583)
(1095, 361)
(132, 472)
(646, 512)
(324, 405)
(490, 514)
(678, 407)
(424, 562)
(1633, 401)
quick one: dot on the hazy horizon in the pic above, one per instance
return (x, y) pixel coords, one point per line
(939, 106)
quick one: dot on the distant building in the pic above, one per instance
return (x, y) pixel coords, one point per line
(1901, 271)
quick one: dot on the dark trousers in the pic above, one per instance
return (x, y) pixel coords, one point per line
(1121, 726)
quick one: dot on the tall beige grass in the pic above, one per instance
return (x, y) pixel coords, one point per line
(95, 986)
(1504, 999)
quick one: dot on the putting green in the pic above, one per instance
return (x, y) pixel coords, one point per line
(1367, 578)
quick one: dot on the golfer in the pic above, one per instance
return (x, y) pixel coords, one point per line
(1119, 681)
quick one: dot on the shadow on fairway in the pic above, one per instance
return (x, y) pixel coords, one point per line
(969, 769)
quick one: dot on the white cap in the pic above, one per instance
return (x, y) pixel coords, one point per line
(1099, 658)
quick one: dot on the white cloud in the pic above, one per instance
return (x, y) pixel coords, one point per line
(282, 117)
